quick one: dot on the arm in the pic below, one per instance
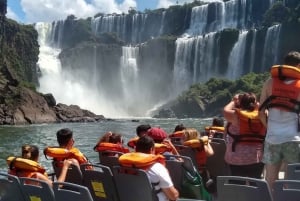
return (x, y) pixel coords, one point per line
(229, 112)
(171, 193)
(64, 170)
(265, 93)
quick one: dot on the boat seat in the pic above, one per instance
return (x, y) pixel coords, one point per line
(293, 171)
(216, 164)
(36, 189)
(99, 180)
(286, 190)
(132, 184)
(68, 191)
(109, 158)
(242, 189)
(10, 188)
(74, 174)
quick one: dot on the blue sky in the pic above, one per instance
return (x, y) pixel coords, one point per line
(29, 11)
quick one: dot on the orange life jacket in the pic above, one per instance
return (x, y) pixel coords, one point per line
(140, 160)
(194, 143)
(22, 167)
(161, 148)
(177, 134)
(220, 129)
(60, 154)
(284, 95)
(107, 146)
(251, 129)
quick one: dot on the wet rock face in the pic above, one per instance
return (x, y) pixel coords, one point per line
(21, 105)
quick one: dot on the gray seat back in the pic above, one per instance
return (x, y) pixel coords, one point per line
(64, 191)
(242, 189)
(286, 190)
(109, 158)
(132, 184)
(178, 168)
(74, 174)
(187, 151)
(10, 188)
(100, 182)
(216, 164)
(293, 171)
(36, 189)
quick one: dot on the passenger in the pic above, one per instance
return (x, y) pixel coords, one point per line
(66, 150)
(30, 168)
(157, 173)
(111, 142)
(177, 135)
(245, 136)
(26, 151)
(280, 98)
(140, 131)
(216, 130)
(162, 144)
(201, 145)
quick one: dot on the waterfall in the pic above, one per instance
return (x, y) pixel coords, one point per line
(252, 58)
(65, 87)
(270, 55)
(198, 20)
(194, 61)
(129, 73)
(128, 81)
(236, 58)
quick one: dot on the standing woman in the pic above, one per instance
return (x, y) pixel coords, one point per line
(246, 134)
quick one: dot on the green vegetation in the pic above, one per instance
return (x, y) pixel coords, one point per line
(209, 98)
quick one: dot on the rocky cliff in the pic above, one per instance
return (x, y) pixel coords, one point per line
(19, 101)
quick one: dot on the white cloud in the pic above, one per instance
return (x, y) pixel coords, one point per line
(50, 10)
(10, 14)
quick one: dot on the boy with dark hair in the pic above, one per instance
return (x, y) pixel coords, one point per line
(157, 173)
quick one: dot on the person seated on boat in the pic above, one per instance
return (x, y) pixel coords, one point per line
(216, 130)
(177, 135)
(162, 145)
(140, 131)
(199, 143)
(111, 142)
(203, 149)
(245, 136)
(66, 150)
(156, 171)
(28, 166)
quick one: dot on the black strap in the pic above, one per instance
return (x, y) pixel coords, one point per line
(280, 74)
(254, 138)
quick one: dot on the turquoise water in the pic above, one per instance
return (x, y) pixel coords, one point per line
(86, 135)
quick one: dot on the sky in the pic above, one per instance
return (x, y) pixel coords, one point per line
(31, 11)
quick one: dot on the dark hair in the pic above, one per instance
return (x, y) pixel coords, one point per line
(111, 137)
(179, 127)
(144, 144)
(292, 58)
(64, 135)
(248, 101)
(218, 121)
(142, 129)
(34, 152)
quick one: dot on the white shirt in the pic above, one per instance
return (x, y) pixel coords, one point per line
(282, 126)
(159, 174)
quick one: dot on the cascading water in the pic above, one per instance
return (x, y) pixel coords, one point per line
(271, 46)
(61, 83)
(236, 58)
(127, 81)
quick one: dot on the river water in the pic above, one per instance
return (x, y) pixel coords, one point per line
(86, 135)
